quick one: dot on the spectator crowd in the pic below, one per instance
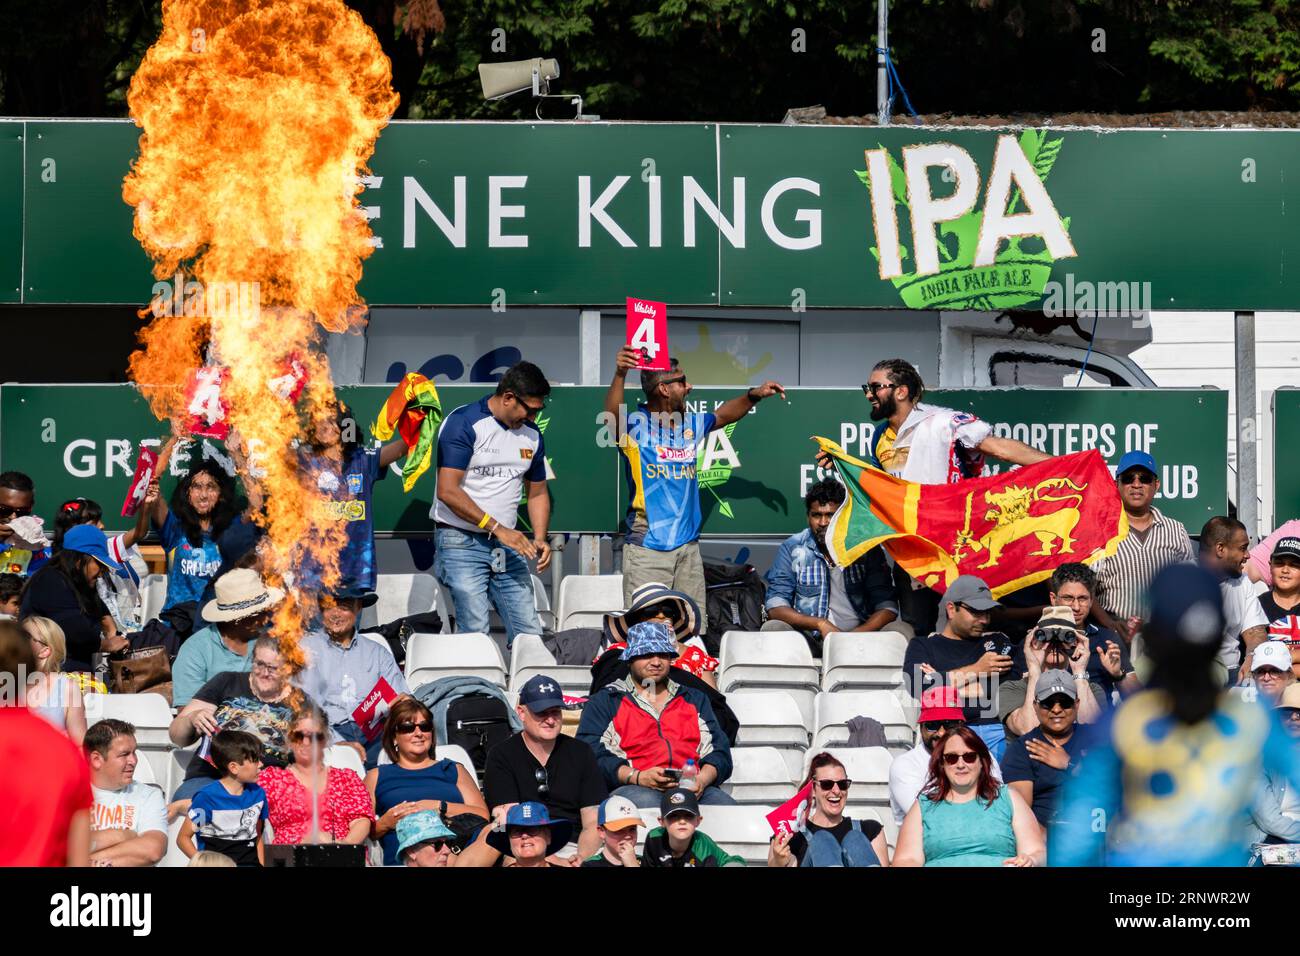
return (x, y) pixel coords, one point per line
(1024, 706)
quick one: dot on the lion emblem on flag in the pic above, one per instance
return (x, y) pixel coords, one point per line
(1010, 514)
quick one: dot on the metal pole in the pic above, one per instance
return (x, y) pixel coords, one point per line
(1247, 425)
(882, 73)
(589, 352)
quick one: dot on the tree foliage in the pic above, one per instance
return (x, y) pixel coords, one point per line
(740, 60)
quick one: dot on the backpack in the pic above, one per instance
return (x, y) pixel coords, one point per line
(399, 633)
(734, 594)
(477, 722)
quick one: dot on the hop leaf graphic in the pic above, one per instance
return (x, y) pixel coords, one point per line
(713, 477)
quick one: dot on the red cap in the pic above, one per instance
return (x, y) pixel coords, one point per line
(941, 703)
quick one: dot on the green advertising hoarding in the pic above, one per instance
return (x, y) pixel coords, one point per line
(1286, 455)
(741, 215)
(80, 440)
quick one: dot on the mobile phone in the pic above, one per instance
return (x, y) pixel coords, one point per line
(672, 774)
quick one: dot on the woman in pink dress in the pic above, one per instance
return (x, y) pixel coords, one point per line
(344, 810)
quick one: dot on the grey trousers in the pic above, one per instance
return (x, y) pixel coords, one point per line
(681, 569)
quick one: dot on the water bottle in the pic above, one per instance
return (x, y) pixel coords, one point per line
(688, 776)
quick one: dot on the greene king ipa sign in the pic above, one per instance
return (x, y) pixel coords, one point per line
(513, 214)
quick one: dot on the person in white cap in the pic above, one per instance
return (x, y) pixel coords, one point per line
(236, 617)
(1275, 815)
(617, 822)
(1271, 668)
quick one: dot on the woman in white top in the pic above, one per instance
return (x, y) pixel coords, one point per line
(55, 696)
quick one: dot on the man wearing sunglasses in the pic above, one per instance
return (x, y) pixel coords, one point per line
(545, 765)
(966, 655)
(929, 444)
(17, 499)
(1055, 643)
(660, 446)
(1153, 542)
(941, 713)
(489, 453)
(1035, 765)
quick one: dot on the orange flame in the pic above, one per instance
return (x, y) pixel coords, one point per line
(258, 118)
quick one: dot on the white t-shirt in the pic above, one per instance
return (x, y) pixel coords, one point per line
(1241, 611)
(496, 460)
(138, 807)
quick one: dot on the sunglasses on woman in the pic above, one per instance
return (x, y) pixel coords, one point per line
(439, 844)
(316, 737)
(410, 727)
(969, 756)
(827, 785)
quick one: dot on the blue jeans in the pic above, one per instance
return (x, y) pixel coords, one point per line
(824, 850)
(479, 573)
(648, 798)
(994, 737)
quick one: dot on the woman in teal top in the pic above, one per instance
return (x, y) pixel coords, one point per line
(964, 817)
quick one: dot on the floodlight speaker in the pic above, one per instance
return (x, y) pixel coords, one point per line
(502, 79)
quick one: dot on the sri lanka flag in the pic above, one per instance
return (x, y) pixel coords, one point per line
(1012, 529)
(413, 410)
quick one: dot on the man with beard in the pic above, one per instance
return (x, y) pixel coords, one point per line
(1225, 547)
(807, 592)
(931, 445)
(660, 447)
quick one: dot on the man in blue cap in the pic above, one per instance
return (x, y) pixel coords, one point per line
(1170, 776)
(1153, 542)
(530, 835)
(545, 765)
(650, 733)
(424, 840)
(344, 671)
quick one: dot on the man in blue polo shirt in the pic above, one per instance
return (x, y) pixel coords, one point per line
(488, 452)
(660, 449)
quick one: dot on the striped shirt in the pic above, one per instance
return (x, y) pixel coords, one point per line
(1123, 578)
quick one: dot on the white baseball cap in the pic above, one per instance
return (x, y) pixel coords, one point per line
(1275, 654)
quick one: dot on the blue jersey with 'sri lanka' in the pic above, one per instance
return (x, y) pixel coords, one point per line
(664, 510)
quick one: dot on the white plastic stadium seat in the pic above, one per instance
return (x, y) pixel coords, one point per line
(178, 762)
(343, 757)
(174, 856)
(868, 768)
(832, 712)
(585, 599)
(153, 595)
(771, 660)
(863, 661)
(400, 595)
(760, 776)
(768, 718)
(151, 716)
(882, 815)
(529, 657)
(445, 752)
(431, 656)
(377, 639)
(742, 830)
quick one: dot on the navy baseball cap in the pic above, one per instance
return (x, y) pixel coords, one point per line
(541, 693)
(1187, 607)
(1137, 459)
